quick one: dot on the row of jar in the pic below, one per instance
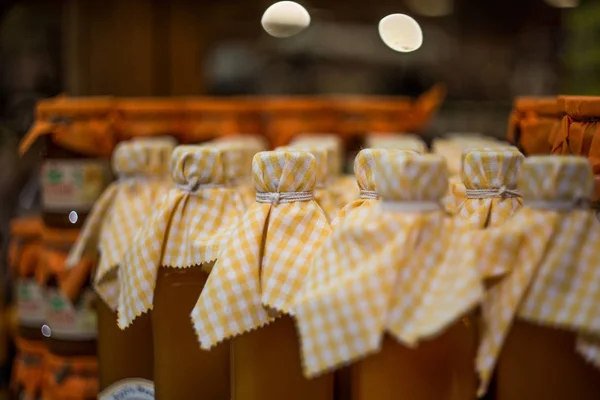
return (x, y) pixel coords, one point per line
(56, 302)
(383, 299)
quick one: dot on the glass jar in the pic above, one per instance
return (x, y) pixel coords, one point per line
(533, 124)
(79, 138)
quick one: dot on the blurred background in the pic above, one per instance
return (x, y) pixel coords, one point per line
(485, 52)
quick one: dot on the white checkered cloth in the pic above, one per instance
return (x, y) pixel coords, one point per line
(264, 263)
(364, 170)
(551, 247)
(188, 228)
(387, 268)
(143, 170)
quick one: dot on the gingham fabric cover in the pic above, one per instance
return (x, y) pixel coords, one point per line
(386, 270)
(265, 261)
(188, 228)
(142, 168)
(551, 258)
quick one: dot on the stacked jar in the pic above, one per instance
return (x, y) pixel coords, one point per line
(24, 255)
(79, 137)
(579, 134)
(533, 124)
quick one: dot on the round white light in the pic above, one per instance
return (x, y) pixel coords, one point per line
(73, 217)
(46, 331)
(401, 33)
(284, 19)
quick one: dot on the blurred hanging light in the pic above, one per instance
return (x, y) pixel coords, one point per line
(431, 8)
(563, 3)
(284, 19)
(401, 33)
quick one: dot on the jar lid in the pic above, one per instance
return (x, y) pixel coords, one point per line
(538, 105)
(294, 103)
(212, 105)
(165, 107)
(284, 171)
(580, 106)
(556, 179)
(367, 161)
(194, 166)
(402, 178)
(321, 159)
(63, 106)
(373, 104)
(491, 168)
(142, 157)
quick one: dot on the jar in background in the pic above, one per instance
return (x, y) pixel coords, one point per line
(208, 118)
(580, 134)
(142, 168)
(533, 124)
(287, 117)
(24, 255)
(71, 332)
(79, 138)
(149, 117)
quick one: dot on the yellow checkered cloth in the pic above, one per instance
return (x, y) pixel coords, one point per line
(387, 268)
(364, 170)
(143, 170)
(551, 246)
(264, 263)
(238, 154)
(344, 190)
(322, 194)
(490, 170)
(188, 228)
(457, 193)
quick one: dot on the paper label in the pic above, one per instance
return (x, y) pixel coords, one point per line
(30, 303)
(129, 389)
(70, 321)
(73, 185)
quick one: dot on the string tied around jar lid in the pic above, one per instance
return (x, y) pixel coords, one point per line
(369, 195)
(276, 198)
(502, 192)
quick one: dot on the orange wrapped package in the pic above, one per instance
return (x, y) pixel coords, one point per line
(580, 134)
(80, 137)
(149, 117)
(359, 116)
(289, 117)
(24, 255)
(533, 124)
(210, 118)
(72, 368)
